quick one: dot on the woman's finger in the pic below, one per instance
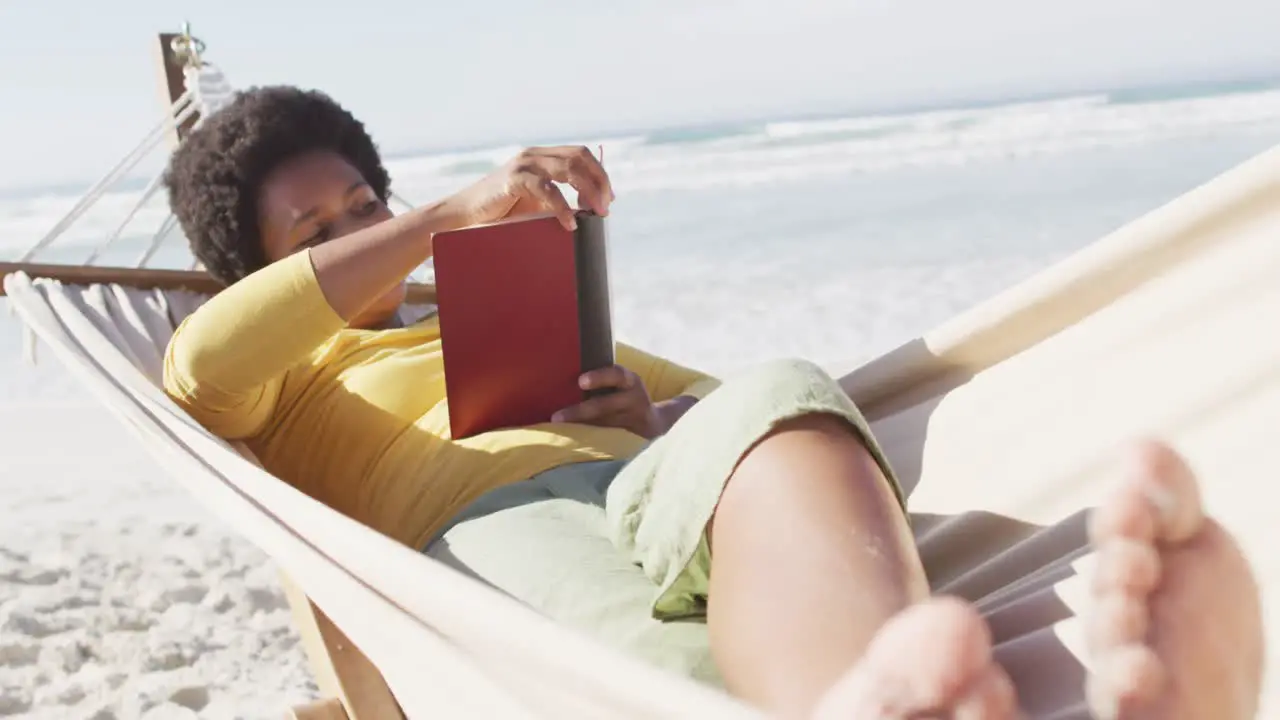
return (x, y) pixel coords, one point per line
(613, 376)
(583, 162)
(576, 166)
(593, 409)
(544, 191)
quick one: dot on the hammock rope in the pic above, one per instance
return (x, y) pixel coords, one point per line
(142, 200)
(157, 240)
(100, 188)
(206, 90)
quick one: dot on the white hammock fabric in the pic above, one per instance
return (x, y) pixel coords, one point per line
(999, 422)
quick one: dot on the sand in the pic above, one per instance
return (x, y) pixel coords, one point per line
(119, 597)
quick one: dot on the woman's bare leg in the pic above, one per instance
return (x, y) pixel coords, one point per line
(811, 555)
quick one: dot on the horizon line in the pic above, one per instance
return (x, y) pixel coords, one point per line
(1256, 81)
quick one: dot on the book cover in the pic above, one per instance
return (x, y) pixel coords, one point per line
(524, 311)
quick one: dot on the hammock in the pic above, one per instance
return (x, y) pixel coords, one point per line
(1000, 423)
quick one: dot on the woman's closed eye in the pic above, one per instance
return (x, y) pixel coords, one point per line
(322, 234)
(366, 209)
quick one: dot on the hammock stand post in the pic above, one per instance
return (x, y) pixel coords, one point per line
(172, 86)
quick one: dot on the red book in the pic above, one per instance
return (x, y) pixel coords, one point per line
(524, 311)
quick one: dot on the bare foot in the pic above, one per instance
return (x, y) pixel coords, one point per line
(1175, 628)
(931, 660)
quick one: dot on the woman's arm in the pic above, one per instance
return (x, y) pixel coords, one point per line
(356, 270)
(256, 329)
(225, 361)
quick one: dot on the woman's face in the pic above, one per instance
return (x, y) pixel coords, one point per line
(312, 199)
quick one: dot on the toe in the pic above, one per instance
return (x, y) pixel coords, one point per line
(1124, 679)
(1126, 566)
(962, 649)
(895, 679)
(991, 697)
(1170, 489)
(1116, 620)
(1126, 514)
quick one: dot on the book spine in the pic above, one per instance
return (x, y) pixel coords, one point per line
(595, 311)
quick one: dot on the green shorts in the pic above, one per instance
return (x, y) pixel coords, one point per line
(618, 549)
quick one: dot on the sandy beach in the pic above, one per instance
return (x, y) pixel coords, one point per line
(119, 597)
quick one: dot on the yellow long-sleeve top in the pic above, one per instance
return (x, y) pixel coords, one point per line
(357, 419)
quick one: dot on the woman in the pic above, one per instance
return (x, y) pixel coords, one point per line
(761, 504)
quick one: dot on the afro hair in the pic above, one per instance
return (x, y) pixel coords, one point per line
(215, 176)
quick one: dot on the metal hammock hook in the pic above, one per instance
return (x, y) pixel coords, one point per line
(187, 48)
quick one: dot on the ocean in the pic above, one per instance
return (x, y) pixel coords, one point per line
(830, 238)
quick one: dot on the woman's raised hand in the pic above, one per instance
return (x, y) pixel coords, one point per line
(526, 184)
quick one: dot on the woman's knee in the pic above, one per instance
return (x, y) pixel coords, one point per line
(793, 442)
(815, 451)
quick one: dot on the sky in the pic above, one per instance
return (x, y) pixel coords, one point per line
(78, 80)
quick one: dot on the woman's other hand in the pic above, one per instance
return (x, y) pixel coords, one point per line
(627, 407)
(526, 184)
